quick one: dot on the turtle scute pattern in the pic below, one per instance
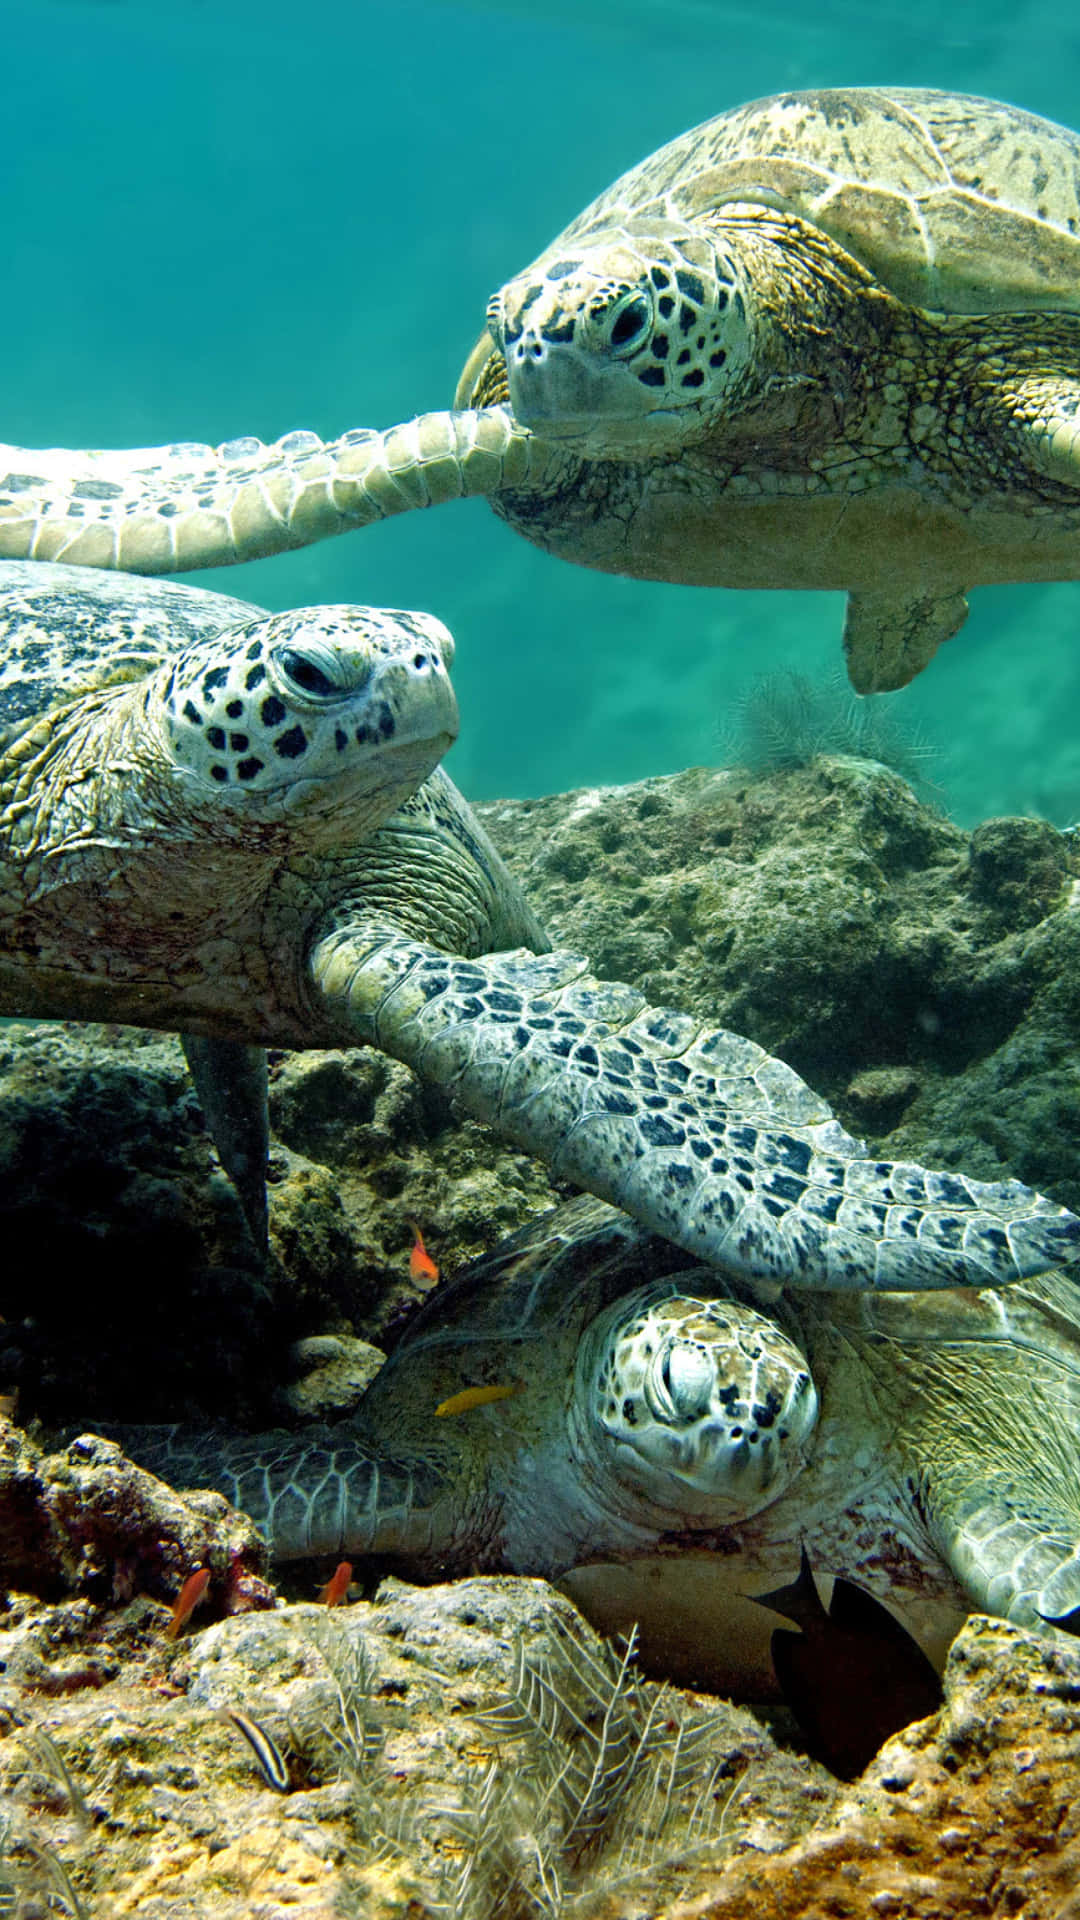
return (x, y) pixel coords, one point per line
(956, 202)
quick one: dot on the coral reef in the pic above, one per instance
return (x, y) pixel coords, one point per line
(475, 1749)
(926, 979)
(88, 1522)
(445, 1751)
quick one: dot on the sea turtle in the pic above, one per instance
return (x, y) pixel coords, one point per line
(668, 1447)
(189, 796)
(830, 339)
(193, 841)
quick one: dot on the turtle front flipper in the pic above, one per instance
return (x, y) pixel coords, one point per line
(1016, 1563)
(981, 1397)
(889, 636)
(169, 509)
(694, 1131)
(1047, 410)
(320, 1491)
(230, 1081)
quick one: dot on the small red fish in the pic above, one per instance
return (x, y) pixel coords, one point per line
(421, 1264)
(337, 1586)
(192, 1591)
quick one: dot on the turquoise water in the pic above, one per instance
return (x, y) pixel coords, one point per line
(242, 218)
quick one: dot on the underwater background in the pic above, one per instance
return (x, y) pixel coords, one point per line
(228, 217)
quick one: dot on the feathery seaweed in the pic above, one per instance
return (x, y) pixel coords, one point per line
(784, 719)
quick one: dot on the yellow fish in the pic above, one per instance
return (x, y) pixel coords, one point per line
(471, 1397)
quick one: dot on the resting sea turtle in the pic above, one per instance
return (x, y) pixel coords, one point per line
(664, 1451)
(193, 845)
(829, 340)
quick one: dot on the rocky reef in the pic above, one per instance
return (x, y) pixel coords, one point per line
(925, 979)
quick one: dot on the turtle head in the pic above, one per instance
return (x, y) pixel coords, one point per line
(625, 342)
(309, 707)
(703, 1408)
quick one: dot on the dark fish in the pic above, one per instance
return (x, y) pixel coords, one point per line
(1065, 1622)
(852, 1676)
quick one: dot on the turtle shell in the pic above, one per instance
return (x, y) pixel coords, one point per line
(538, 1286)
(957, 204)
(66, 629)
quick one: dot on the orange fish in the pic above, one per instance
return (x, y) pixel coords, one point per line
(421, 1264)
(471, 1397)
(337, 1586)
(192, 1591)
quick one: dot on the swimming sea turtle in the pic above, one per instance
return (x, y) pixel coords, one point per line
(829, 340)
(193, 845)
(663, 1451)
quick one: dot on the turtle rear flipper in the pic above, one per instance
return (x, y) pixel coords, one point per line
(891, 636)
(230, 1080)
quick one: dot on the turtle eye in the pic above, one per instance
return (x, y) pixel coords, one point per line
(629, 323)
(679, 1381)
(688, 1377)
(305, 674)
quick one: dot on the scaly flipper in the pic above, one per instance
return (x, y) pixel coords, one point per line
(986, 1404)
(694, 1131)
(890, 636)
(1047, 410)
(1016, 1563)
(170, 509)
(320, 1491)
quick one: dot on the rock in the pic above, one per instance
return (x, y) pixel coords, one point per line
(833, 917)
(1018, 868)
(976, 1812)
(411, 1729)
(336, 1371)
(422, 1734)
(881, 1094)
(86, 1521)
